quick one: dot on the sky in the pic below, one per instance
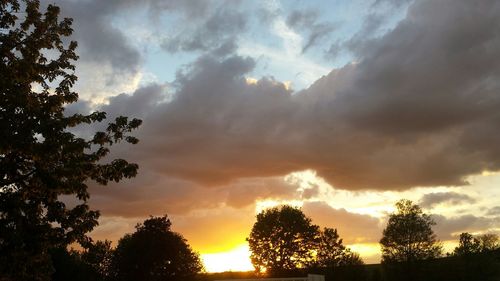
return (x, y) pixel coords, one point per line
(338, 107)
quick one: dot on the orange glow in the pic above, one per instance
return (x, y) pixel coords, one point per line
(236, 259)
(369, 252)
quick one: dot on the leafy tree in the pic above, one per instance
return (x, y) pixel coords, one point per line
(332, 253)
(477, 257)
(153, 252)
(468, 245)
(40, 159)
(350, 258)
(408, 236)
(69, 265)
(91, 264)
(282, 238)
(98, 255)
(330, 250)
(489, 242)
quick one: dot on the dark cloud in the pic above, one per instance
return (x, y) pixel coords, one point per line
(367, 33)
(308, 21)
(422, 99)
(103, 45)
(243, 193)
(449, 228)
(156, 194)
(354, 228)
(393, 3)
(139, 103)
(495, 211)
(334, 51)
(211, 130)
(100, 42)
(453, 198)
(79, 107)
(153, 194)
(190, 10)
(225, 49)
(215, 31)
(373, 25)
(420, 108)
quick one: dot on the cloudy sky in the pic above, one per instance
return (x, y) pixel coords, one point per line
(340, 107)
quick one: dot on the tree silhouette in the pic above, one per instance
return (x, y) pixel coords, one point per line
(40, 159)
(408, 236)
(470, 245)
(330, 251)
(282, 238)
(68, 265)
(489, 242)
(467, 245)
(98, 256)
(153, 252)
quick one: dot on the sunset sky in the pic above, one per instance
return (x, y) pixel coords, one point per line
(339, 107)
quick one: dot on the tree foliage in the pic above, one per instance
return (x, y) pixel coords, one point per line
(98, 256)
(68, 265)
(284, 238)
(408, 236)
(331, 251)
(330, 248)
(153, 252)
(470, 245)
(40, 158)
(467, 245)
(489, 242)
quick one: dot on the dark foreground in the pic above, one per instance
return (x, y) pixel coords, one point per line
(484, 267)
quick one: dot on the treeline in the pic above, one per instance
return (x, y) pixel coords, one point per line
(153, 252)
(411, 251)
(284, 243)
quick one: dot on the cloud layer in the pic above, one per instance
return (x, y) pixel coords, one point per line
(453, 198)
(419, 109)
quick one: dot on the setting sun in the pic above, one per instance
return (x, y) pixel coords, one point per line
(236, 259)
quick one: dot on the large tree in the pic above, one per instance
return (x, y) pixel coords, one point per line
(40, 158)
(282, 238)
(155, 253)
(408, 236)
